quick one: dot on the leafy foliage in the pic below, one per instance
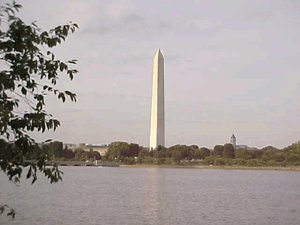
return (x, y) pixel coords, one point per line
(133, 150)
(205, 152)
(228, 151)
(142, 154)
(198, 154)
(180, 152)
(269, 152)
(11, 212)
(192, 155)
(218, 150)
(117, 151)
(54, 148)
(243, 153)
(31, 72)
(292, 153)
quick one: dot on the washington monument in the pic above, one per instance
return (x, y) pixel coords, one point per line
(157, 129)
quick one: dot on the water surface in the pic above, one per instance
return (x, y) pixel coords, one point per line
(91, 195)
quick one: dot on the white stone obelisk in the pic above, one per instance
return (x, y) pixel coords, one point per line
(157, 129)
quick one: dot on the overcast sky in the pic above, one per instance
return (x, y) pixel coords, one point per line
(230, 67)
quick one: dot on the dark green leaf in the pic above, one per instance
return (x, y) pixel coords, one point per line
(31, 68)
(24, 91)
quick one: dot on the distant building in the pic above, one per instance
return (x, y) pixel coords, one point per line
(69, 146)
(233, 142)
(101, 148)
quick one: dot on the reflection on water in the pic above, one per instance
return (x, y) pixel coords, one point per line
(149, 211)
(149, 195)
(156, 196)
(153, 197)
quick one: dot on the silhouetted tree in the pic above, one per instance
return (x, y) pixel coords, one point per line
(142, 154)
(69, 154)
(218, 150)
(198, 154)
(194, 147)
(133, 150)
(117, 150)
(228, 151)
(205, 152)
(269, 152)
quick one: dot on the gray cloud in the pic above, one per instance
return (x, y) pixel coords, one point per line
(128, 22)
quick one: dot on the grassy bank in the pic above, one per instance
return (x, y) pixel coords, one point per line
(290, 168)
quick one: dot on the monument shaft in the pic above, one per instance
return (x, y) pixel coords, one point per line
(157, 129)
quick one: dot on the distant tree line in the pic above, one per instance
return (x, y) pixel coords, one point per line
(193, 155)
(55, 150)
(180, 155)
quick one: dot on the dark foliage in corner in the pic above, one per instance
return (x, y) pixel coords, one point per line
(30, 72)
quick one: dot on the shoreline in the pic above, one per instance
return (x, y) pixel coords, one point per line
(288, 168)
